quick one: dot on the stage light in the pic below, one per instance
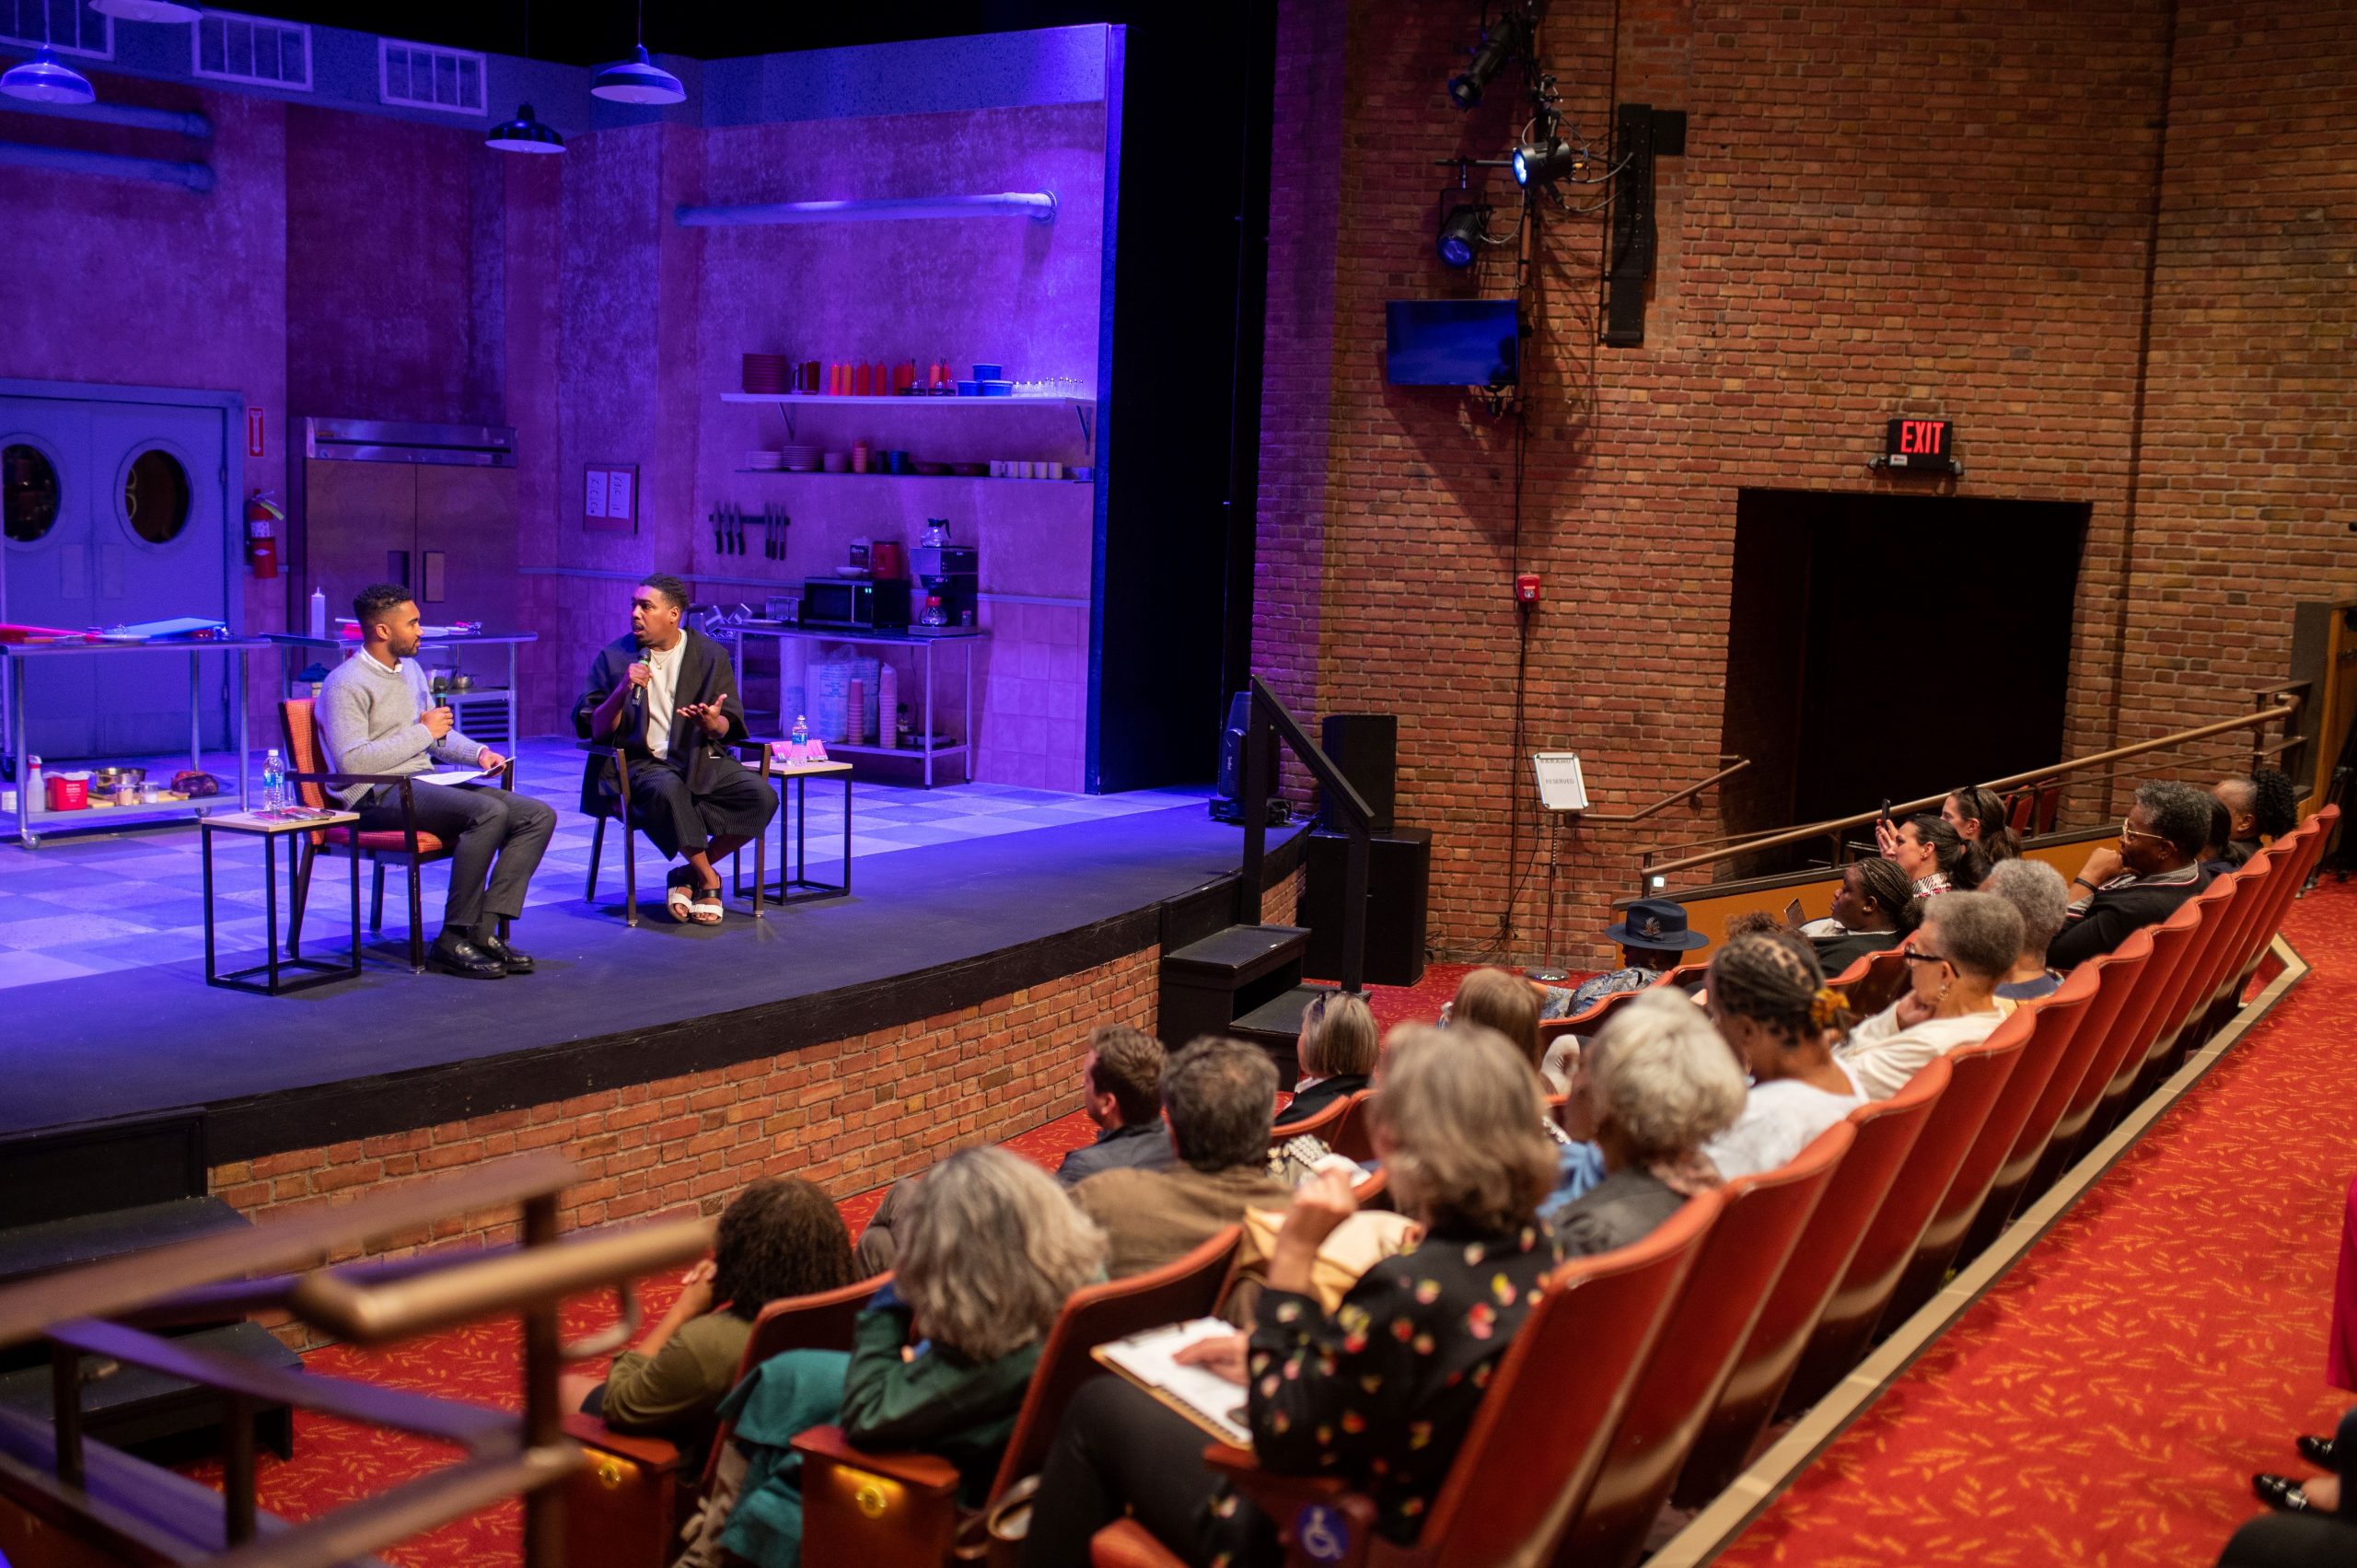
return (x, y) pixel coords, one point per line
(1498, 45)
(47, 80)
(1545, 159)
(524, 135)
(1461, 232)
(144, 10)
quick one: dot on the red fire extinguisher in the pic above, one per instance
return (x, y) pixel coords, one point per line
(263, 517)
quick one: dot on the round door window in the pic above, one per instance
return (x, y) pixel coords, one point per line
(156, 496)
(29, 483)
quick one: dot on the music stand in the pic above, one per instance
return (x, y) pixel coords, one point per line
(1563, 792)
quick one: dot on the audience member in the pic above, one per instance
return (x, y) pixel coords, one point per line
(1120, 1088)
(1755, 922)
(2219, 854)
(2266, 806)
(1934, 855)
(1869, 912)
(2314, 1522)
(780, 1238)
(1656, 1083)
(2042, 899)
(1768, 998)
(2154, 869)
(1220, 1097)
(1653, 940)
(1967, 944)
(1337, 1051)
(1381, 1394)
(1981, 817)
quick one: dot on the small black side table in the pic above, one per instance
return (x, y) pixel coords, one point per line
(270, 829)
(793, 884)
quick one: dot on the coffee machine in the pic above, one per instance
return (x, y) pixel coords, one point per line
(951, 573)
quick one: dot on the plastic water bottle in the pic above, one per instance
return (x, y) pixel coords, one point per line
(273, 782)
(801, 732)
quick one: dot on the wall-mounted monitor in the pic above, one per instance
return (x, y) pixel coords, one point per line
(1452, 343)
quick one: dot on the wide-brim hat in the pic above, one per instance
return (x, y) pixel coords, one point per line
(1656, 923)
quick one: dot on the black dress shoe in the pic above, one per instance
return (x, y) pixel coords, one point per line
(456, 954)
(517, 963)
(2317, 1451)
(2280, 1493)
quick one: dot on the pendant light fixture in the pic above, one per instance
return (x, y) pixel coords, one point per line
(47, 80)
(524, 134)
(638, 79)
(144, 10)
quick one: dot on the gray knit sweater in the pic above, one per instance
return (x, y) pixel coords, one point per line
(369, 724)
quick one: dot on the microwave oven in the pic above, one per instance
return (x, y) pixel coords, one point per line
(855, 603)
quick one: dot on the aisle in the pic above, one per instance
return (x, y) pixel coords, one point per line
(2106, 1402)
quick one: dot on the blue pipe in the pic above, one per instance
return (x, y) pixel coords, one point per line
(182, 123)
(69, 160)
(1038, 206)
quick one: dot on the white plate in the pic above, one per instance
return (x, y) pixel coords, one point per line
(851, 571)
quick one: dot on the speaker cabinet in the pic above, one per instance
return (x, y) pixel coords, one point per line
(1398, 869)
(1366, 747)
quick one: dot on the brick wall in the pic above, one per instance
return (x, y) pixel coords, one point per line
(849, 1115)
(1950, 213)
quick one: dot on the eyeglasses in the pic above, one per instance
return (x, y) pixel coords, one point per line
(2128, 832)
(1917, 955)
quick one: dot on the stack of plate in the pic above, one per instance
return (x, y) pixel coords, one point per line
(801, 460)
(767, 373)
(764, 462)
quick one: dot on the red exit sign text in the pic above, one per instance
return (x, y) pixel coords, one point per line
(1914, 441)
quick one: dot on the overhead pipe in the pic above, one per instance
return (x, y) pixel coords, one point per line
(181, 122)
(1040, 206)
(69, 160)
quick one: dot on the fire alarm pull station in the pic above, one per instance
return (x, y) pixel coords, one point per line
(1525, 588)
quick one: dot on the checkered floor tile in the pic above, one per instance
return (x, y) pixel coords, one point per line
(94, 903)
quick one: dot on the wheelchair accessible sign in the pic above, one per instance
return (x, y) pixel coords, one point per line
(1322, 1533)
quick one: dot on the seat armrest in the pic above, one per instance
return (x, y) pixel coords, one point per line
(920, 1473)
(348, 778)
(651, 1453)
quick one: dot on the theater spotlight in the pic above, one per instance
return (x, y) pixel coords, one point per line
(1545, 159)
(1498, 45)
(1461, 232)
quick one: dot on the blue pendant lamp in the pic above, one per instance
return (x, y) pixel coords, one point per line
(524, 134)
(47, 80)
(638, 79)
(144, 10)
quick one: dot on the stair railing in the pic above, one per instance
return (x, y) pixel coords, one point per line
(1269, 717)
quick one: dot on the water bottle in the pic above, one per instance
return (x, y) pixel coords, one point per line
(801, 732)
(273, 782)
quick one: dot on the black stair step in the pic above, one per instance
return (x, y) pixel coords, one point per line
(29, 1249)
(123, 1404)
(1240, 954)
(1278, 1020)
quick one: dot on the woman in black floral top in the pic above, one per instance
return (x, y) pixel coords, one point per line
(1382, 1392)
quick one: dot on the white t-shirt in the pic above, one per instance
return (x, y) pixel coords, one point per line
(1880, 1056)
(661, 694)
(1780, 1119)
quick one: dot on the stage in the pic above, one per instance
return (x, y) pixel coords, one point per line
(961, 896)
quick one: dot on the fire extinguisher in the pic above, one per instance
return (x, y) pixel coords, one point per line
(263, 517)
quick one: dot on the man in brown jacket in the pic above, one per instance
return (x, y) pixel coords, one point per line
(1220, 1096)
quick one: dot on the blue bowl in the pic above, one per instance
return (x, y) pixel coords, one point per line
(987, 372)
(970, 389)
(998, 388)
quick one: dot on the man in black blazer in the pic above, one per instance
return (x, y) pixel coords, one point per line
(661, 694)
(2155, 869)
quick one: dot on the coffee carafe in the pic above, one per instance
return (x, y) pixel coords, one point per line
(951, 573)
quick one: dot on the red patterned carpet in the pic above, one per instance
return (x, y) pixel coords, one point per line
(2108, 1400)
(337, 1463)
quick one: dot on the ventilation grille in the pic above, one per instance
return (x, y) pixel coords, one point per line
(234, 48)
(418, 76)
(73, 27)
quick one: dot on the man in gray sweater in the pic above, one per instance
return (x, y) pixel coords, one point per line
(376, 717)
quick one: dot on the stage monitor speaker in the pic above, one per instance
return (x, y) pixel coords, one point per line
(1366, 747)
(1398, 869)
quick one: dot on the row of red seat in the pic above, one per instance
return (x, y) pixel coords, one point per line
(1653, 1371)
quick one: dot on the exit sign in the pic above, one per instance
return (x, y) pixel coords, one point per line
(1918, 444)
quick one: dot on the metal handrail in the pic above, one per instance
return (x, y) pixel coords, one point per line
(1932, 802)
(1358, 822)
(1620, 819)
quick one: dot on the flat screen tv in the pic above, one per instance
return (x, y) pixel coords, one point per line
(1451, 342)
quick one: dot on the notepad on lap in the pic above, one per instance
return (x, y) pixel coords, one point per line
(455, 777)
(1204, 1398)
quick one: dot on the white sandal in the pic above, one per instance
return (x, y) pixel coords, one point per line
(679, 899)
(707, 907)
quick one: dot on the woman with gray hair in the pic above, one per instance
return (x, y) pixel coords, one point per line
(2042, 899)
(990, 1249)
(1969, 942)
(1380, 1393)
(1657, 1082)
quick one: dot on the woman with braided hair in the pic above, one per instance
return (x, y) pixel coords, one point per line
(1871, 914)
(1768, 998)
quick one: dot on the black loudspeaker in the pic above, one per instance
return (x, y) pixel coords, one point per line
(1366, 747)
(1398, 869)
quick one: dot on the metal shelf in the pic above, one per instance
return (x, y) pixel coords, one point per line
(1082, 407)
